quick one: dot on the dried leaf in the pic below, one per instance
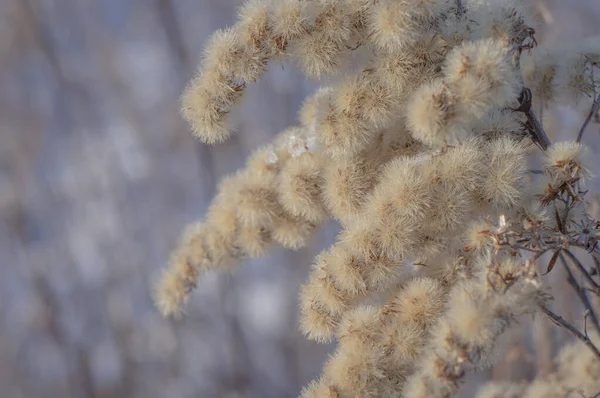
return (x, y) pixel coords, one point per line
(552, 261)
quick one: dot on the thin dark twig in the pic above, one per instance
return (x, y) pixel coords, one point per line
(586, 314)
(538, 134)
(459, 8)
(580, 292)
(597, 264)
(559, 321)
(582, 269)
(593, 111)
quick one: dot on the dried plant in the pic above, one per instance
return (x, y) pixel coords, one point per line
(418, 146)
(577, 375)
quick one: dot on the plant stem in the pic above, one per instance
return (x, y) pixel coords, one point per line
(581, 293)
(559, 321)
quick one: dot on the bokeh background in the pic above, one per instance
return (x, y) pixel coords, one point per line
(98, 175)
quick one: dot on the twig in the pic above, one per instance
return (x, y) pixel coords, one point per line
(597, 264)
(586, 314)
(538, 131)
(581, 293)
(538, 172)
(559, 321)
(459, 8)
(582, 269)
(593, 111)
(538, 134)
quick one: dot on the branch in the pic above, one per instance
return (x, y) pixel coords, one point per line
(538, 134)
(593, 111)
(559, 321)
(582, 296)
(582, 269)
(459, 8)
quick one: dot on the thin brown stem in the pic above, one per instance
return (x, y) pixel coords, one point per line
(537, 130)
(581, 293)
(538, 134)
(559, 321)
(593, 111)
(584, 271)
(595, 107)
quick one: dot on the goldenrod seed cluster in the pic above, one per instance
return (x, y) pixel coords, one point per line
(419, 149)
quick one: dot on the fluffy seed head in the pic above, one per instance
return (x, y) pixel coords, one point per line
(481, 74)
(257, 203)
(471, 317)
(300, 185)
(309, 111)
(396, 24)
(392, 25)
(254, 22)
(290, 19)
(319, 389)
(343, 135)
(344, 268)
(573, 80)
(505, 174)
(478, 235)
(253, 240)
(432, 114)
(170, 293)
(421, 301)
(291, 232)
(539, 72)
(205, 105)
(502, 20)
(569, 157)
(360, 326)
(403, 342)
(317, 54)
(315, 321)
(347, 183)
(462, 167)
(356, 371)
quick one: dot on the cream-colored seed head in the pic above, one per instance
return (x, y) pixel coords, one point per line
(347, 183)
(421, 301)
(356, 372)
(505, 174)
(481, 73)
(319, 389)
(254, 21)
(573, 80)
(344, 268)
(570, 157)
(290, 19)
(432, 114)
(300, 187)
(317, 54)
(205, 104)
(360, 326)
(417, 147)
(478, 235)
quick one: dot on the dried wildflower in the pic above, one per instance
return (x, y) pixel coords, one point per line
(419, 151)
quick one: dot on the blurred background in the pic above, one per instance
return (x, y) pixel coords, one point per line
(98, 175)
